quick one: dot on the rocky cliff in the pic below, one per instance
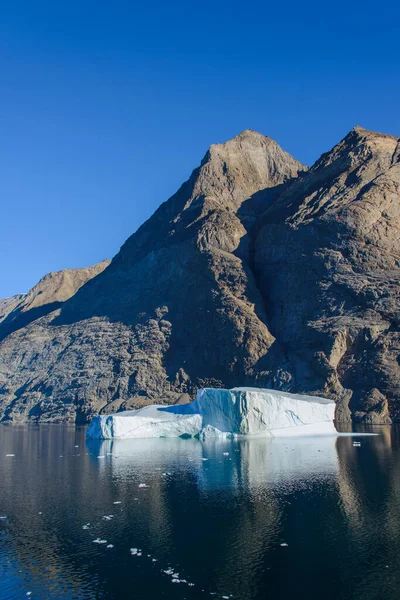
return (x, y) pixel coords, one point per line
(256, 272)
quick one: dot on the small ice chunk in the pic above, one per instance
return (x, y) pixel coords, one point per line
(153, 560)
(204, 459)
(284, 545)
(28, 593)
(225, 453)
(76, 446)
(110, 546)
(117, 502)
(99, 541)
(169, 571)
(10, 454)
(191, 584)
(101, 456)
(139, 554)
(176, 580)
(143, 485)
(3, 517)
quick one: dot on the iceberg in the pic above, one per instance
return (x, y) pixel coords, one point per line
(221, 413)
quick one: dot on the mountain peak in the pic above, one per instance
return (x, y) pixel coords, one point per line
(235, 170)
(359, 133)
(250, 134)
(245, 138)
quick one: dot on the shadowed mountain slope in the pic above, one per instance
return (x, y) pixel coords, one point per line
(256, 272)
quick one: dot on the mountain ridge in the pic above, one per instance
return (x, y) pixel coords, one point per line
(237, 279)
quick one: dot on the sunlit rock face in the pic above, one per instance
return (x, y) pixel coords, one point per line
(219, 412)
(257, 271)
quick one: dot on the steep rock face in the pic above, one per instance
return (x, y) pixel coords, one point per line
(257, 272)
(327, 257)
(178, 308)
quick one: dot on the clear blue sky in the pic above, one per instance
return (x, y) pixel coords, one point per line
(106, 107)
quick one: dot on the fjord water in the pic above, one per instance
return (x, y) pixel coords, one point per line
(217, 513)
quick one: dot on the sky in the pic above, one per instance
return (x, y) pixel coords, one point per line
(107, 107)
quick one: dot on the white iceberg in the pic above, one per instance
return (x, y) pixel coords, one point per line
(223, 413)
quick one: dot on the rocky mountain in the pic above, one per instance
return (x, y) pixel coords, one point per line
(256, 272)
(47, 295)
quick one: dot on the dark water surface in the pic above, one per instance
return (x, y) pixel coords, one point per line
(219, 523)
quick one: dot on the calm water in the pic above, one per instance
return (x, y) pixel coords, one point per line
(219, 522)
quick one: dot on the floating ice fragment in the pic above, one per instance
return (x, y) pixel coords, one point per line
(110, 546)
(117, 502)
(76, 446)
(204, 459)
(10, 454)
(99, 541)
(133, 551)
(169, 571)
(153, 560)
(101, 456)
(3, 517)
(176, 580)
(191, 584)
(40, 513)
(284, 545)
(139, 554)
(143, 485)
(28, 593)
(225, 453)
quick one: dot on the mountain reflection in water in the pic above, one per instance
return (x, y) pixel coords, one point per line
(216, 513)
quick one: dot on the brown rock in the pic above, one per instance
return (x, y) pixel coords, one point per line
(256, 272)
